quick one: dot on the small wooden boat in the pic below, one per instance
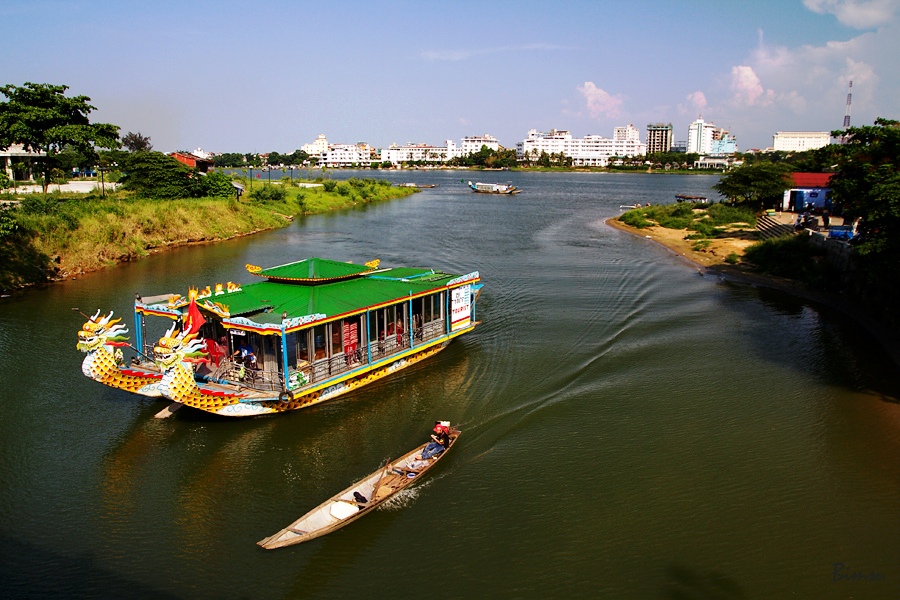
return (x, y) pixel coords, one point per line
(689, 198)
(359, 499)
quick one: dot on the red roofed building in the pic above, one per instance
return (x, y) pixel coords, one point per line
(809, 190)
(193, 161)
(811, 180)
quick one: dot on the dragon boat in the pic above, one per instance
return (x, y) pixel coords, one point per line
(313, 330)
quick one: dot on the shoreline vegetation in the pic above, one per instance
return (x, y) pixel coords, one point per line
(712, 259)
(61, 236)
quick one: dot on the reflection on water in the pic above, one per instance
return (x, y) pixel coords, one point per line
(629, 429)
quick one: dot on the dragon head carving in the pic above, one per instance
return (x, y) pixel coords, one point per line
(98, 331)
(173, 348)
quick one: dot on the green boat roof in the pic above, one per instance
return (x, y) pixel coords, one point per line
(314, 299)
(312, 270)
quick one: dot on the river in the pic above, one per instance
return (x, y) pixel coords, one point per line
(631, 429)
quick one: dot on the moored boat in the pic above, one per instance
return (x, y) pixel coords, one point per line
(494, 188)
(360, 498)
(310, 331)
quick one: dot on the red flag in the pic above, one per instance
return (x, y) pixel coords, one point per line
(194, 320)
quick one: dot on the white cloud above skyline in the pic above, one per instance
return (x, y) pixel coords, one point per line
(599, 102)
(859, 14)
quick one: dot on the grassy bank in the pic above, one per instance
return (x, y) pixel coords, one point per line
(61, 235)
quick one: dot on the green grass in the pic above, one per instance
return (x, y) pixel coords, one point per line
(705, 220)
(61, 234)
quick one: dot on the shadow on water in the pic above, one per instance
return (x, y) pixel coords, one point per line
(820, 341)
(29, 572)
(685, 583)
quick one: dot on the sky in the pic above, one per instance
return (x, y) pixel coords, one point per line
(261, 76)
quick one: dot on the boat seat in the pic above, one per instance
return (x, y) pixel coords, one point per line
(341, 509)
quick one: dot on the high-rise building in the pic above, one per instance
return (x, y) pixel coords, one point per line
(659, 138)
(700, 137)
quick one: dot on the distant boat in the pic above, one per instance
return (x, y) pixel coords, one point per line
(687, 198)
(421, 186)
(494, 188)
(359, 499)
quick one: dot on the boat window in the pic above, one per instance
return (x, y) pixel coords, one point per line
(291, 344)
(321, 350)
(302, 345)
(435, 310)
(336, 340)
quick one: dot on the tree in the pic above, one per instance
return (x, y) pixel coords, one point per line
(866, 186)
(156, 175)
(755, 186)
(135, 142)
(41, 118)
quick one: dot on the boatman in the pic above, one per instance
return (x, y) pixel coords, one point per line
(440, 439)
(247, 357)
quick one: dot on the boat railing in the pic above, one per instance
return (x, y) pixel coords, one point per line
(245, 376)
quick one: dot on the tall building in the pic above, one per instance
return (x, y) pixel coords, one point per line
(700, 137)
(800, 141)
(660, 137)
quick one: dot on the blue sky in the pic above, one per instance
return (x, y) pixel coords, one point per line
(255, 77)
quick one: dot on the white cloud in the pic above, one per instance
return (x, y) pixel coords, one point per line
(697, 100)
(748, 89)
(860, 14)
(600, 102)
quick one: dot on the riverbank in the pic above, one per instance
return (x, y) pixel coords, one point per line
(61, 237)
(711, 260)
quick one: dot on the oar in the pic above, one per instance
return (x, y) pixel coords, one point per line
(387, 466)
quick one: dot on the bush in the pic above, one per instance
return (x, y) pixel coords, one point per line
(39, 204)
(706, 228)
(673, 222)
(733, 258)
(8, 224)
(329, 185)
(635, 218)
(268, 193)
(722, 214)
(217, 185)
(792, 257)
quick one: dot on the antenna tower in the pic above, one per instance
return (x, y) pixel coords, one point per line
(843, 139)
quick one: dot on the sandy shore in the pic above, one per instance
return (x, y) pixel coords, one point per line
(712, 261)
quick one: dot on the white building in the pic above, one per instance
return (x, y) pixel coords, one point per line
(396, 155)
(589, 151)
(426, 153)
(347, 155)
(800, 141)
(700, 137)
(24, 159)
(472, 144)
(318, 146)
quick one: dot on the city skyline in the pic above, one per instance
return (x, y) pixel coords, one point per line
(231, 78)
